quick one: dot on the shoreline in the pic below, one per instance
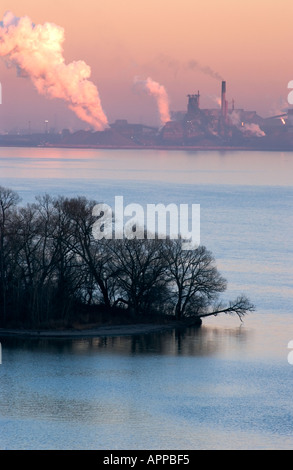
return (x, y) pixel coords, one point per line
(261, 148)
(99, 331)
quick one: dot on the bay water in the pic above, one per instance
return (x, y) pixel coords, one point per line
(226, 385)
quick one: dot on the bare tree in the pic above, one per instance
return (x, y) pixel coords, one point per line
(193, 278)
(139, 269)
(51, 267)
(195, 284)
(47, 272)
(81, 242)
(8, 201)
(240, 306)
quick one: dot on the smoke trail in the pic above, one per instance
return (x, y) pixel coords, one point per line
(190, 65)
(193, 64)
(36, 51)
(158, 91)
(171, 63)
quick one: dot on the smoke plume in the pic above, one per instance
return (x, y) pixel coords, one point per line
(36, 52)
(157, 91)
(252, 129)
(194, 65)
(191, 65)
(216, 99)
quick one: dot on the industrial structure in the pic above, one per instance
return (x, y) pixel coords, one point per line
(221, 127)
(227, 127)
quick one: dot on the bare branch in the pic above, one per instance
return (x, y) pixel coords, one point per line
(241, 306)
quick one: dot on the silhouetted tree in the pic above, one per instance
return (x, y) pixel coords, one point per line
(8, 202)
(139, 270)
(193, 278)
(240, 306)
(81, 242)
(53, 270)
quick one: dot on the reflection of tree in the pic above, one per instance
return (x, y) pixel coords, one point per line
(204, 341)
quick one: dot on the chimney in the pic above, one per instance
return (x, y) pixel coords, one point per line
(193, 103)
(223, 100)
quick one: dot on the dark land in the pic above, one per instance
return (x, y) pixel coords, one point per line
(54, 275)
(135, 136)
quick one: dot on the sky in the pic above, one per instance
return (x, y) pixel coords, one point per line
(185, 45)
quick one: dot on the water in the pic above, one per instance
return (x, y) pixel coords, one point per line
(225, 386)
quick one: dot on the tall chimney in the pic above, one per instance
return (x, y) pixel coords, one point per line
(223, 99)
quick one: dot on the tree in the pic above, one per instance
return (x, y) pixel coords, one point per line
(37, 255)
(193, 278)
(8, 202)
(195, 283)
(52, 268)
(46, 271)
(81, 220)
(139, 270)
(240, 307)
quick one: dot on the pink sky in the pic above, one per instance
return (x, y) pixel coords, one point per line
(248, 43)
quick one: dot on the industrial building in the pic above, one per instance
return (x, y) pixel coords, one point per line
(224, 127)
(220, 126)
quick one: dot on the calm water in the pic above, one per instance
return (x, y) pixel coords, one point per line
(225, 386)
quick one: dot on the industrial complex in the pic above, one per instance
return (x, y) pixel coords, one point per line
(225, 127)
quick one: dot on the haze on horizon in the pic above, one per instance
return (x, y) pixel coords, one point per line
(183, 45)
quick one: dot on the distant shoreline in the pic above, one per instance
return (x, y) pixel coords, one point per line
(100, 331)
(154, 147)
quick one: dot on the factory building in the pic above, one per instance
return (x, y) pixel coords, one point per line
(223, 127)
(212, 126)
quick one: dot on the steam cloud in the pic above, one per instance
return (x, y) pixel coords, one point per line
(36, 52)
(253, 129)
(157, 91)
(215, 99)
(250, 128)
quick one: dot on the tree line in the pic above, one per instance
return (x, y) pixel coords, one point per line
(53, 272)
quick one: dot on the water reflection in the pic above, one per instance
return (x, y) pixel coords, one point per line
(204, 341)
(208, 167)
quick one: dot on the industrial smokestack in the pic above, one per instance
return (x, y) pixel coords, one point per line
(223, 99)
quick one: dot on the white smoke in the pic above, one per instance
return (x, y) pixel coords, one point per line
(234, 119)
(253, 129)
(279, 107)
(245, 127)
(159, 93)
(215, 99)
(36, 52)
